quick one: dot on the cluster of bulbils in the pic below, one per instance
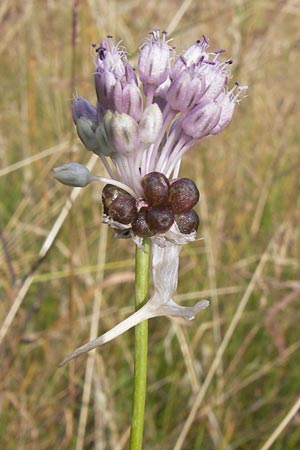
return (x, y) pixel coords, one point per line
(141, 128)
(163, 203)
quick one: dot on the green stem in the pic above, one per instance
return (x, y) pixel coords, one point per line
(141, 348)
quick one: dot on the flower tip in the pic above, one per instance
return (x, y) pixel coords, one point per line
(83, 108)
(72, 174)
(203, 304)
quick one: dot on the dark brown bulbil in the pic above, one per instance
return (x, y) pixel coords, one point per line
(140, 226)
(156, 188)
(183, 195)
(159, 218)
(109, 194)
(187, 222)
(123, 209)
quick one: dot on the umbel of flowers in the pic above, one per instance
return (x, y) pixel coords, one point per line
(141, 127)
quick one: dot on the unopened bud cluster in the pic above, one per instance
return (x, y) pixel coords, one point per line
(163, 203)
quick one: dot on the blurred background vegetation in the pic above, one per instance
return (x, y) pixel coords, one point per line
(224, 381)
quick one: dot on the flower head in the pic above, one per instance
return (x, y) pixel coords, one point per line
(141, 142)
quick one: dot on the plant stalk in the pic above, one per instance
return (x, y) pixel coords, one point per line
(142, 257)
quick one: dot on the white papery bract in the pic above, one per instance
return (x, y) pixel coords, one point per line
(165, 261)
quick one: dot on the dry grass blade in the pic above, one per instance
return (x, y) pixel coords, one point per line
(89, 371)
(233, 324)
(178, 16)
(283, 424)
(27, 161)
(42, 253)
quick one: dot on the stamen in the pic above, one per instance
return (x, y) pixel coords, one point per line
(101, 52)
(205, 39)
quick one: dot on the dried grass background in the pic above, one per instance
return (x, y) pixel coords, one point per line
(228, 380)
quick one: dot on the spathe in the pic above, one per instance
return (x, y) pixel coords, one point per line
(165, 262)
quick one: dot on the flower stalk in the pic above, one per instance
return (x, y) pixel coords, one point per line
(141, 348)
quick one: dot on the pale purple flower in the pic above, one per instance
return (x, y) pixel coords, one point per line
(186, 91)
(201, 120)
(124, 134)
(127, 95)
(150, 125)
(82, 108)
(154, 62)
(186, 98)
(115, 81)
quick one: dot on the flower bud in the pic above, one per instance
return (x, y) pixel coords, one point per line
(105, 146)
(195, 52)
(105, 87)
(123, 133)
(161, 90)
(109, 70)
(227, 103)
(82, 108)
(154, 60)
(215, 80)
(185, 91)
(127, 95)
(100, 112)
(150, 124)
(227, 108)
(103, 135)
(86, 131)
(73, 174)
(191, 57)
(201, 120)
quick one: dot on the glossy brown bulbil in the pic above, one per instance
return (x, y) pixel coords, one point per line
(183, 195)
(123, 209)
(159, 218)
(164, 203)
(156, 188)
(109, 194)
(140, 226)
(187, 222)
